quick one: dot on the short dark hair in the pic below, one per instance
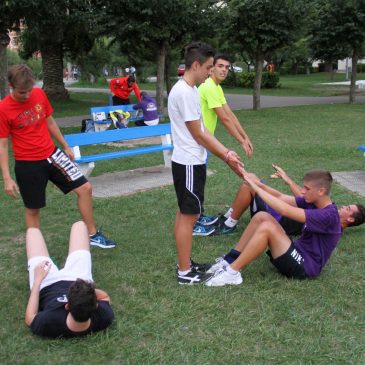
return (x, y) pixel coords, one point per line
(21, 76)
(320, 178)
(222, 56)
(197, 51)
(359, 216)
(131, 79)
(81, 300)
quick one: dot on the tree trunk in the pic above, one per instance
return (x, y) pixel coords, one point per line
(4, 41)
(52, 67)
(167, 74)
(355, 58)
(161, 56)
(259, 65)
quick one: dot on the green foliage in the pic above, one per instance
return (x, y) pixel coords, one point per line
(261, 27)
(269, 80)
(338, 29)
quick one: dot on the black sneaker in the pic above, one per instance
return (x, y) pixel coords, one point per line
(224, 229)
(200, 267)
(220, 221)
(193, 277)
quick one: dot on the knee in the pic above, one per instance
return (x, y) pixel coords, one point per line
(261, 217)
(79, 225)
(85, 189)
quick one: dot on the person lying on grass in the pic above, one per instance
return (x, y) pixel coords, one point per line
(304, 258)
(64, 303)
(246, 197)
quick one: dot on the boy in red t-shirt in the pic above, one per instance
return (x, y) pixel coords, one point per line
(26, 117)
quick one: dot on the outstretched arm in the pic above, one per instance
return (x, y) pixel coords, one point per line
(276, 203)
(232, 124)
(208, 141)
(40, 272)
(294, 187)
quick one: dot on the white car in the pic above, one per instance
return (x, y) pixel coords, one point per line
(237, 68)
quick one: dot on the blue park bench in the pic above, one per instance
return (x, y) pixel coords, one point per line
(87, 162)
(99, 115)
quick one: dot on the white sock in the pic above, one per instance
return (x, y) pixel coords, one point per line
(230, 222)
(182, 273)
(231, 271)
(228, 213)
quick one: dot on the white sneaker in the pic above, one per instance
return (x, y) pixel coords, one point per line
(220, 263)
(222, 277)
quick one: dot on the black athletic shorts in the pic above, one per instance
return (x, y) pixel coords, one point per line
(118, 101)
(32, 177)
(290, 264)
(290, 226)
(189, 182)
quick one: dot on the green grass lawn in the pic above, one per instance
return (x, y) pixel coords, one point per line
(266, 320)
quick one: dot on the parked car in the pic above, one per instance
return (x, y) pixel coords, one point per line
(181, 69)
(236, 68)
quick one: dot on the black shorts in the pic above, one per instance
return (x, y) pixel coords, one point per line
(189, 182)
(290, 226)
(118, 101)
(32, 177)
(290, 264)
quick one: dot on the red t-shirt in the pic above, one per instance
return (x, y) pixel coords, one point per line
(25, 123)
(120, 88)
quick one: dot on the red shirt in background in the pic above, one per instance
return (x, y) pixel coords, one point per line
(119, 87)
(25, 123)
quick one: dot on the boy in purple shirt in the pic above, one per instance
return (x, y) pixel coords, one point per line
(149, 107)
(301, 259)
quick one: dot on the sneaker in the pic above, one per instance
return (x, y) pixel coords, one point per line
(222, 277)
(193, 277)
(220, 263)
(223, 229)
(200, 230)
(200, 267)
(207, 220)
(98, 239)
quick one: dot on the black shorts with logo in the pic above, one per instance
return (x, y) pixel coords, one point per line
(32, 177)
(189, 182)
(290, 264)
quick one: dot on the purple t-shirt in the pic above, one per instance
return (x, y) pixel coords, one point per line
(149, 107)
(321, 233)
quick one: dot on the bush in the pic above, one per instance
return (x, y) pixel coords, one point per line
(361, 67)
(269, 80)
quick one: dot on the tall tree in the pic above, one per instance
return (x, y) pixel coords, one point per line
(338, 32)
(158, 26)
(52, 27)
(261, 27)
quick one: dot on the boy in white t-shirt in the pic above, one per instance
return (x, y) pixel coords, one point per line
(191, 142)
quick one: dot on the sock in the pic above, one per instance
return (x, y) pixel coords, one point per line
(182, 273)
(232, 256)
(228, 213)
(230, 222)
(231, 271)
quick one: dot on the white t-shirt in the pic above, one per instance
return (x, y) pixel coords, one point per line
(184, 106)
